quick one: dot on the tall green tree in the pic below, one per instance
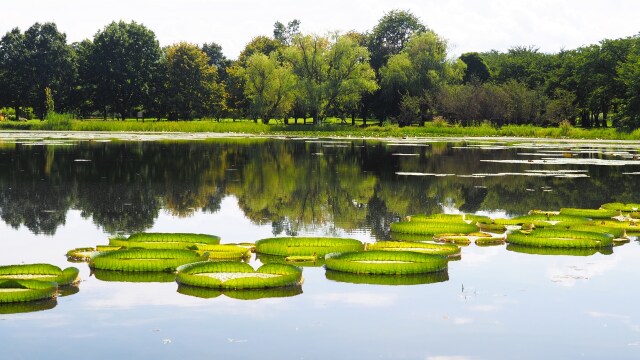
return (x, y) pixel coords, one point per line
(124, 61)
(476, 69)
(192, 89)
(419, 71)
(269, 86)
(49, 65)
(391, 34)
(329, 71)
(14, 86)
(285, 33)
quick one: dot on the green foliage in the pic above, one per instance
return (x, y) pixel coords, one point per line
(175, 237)
(269, 86)
(192, 84)
(49, 105)
(330, 72)
(56, 122)
(476, 69)
(385, 262)
(391, 34)
(123, 64)
(80, 254)
(292, 246)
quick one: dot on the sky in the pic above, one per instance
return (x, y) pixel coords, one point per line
(468, 25)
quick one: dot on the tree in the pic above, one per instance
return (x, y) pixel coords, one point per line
(476, 68)
(420, 70)
(49, 64)
(217, 59)
(329, 72)
(285, 34)
(629, 74)
(124, 61)
(192, 88)
(391, 34)
(269, 87)
(14, 86)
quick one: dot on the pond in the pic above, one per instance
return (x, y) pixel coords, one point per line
(492, 303)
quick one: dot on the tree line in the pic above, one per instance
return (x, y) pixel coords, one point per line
(400, 71)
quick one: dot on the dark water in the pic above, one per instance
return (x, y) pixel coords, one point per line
(492, 304)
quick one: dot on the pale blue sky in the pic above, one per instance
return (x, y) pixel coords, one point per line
(469, 25)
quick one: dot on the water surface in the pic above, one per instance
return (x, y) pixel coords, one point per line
(494, 303)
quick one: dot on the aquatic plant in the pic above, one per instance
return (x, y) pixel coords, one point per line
(590, 213)
(134, 276)
(433, 227)
(244, 294)
(237, 275)
(632, 207)
(469, 218)
(80, 254)
(426, 248)
(164, 240)
(22, 290)
(224, 252)
(143, 259)
(300, 261)
(533, 250)
(561, 239)
(306, 246)
(385, 262)
(27, 307)
(44, 272)
(415, 279)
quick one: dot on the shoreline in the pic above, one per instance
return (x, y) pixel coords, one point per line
(196, 136)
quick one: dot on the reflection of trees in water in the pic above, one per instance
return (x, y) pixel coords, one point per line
(287, 184)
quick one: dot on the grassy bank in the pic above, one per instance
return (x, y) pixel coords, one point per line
(329, 129)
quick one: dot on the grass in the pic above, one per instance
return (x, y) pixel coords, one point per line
(332, 127)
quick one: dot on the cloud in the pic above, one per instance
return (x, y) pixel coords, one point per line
(469, 25)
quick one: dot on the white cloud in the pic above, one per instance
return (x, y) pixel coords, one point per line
(468, 24)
